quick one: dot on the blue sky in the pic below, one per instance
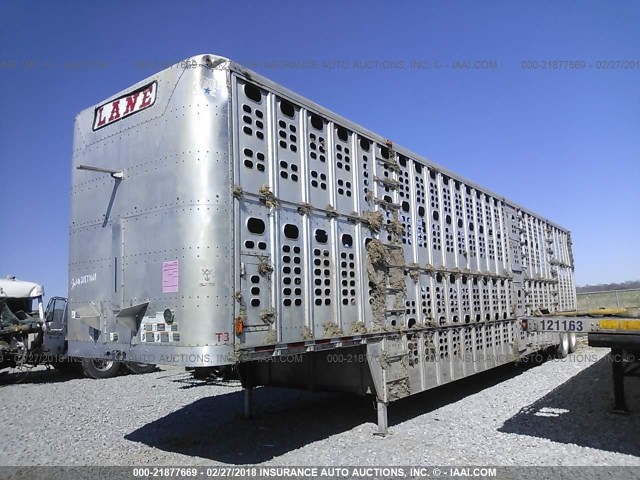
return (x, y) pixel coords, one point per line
(565, 143)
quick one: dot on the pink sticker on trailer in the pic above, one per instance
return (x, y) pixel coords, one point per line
(170, 276)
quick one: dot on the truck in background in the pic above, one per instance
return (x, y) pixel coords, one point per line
(21, 320)
(31, 335)
(218, 218)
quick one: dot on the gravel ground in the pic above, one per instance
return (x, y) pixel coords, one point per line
(551, 413)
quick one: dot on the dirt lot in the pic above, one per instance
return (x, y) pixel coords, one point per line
(550, 413)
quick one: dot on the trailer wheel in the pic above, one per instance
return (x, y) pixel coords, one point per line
(139, 368)
(99, 368)
(562, 350)
(573, 342)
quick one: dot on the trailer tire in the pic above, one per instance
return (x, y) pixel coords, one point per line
(573, 342)
(562, 350)
(98, 368)
(139, 368)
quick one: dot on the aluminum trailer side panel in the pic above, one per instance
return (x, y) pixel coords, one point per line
(318, 188)
(373, 244)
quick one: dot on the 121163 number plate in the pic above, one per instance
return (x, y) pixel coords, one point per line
(557, 325)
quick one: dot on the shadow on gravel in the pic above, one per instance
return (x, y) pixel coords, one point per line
(49, 375)
(286, 420)
(37, 377)
(579, 412)
(190, 382)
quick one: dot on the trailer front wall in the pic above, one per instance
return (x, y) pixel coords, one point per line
(161, 237)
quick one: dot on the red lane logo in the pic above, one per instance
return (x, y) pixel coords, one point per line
(124, 106)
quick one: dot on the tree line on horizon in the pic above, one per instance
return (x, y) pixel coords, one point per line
(605, 287)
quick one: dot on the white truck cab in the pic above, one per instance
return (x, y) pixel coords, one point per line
(19, 295)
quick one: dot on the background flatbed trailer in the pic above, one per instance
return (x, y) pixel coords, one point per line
(615, 328)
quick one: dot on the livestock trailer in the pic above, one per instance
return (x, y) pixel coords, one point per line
(218, 218)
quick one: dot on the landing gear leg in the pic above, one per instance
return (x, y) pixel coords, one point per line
(248, 402)
(383, 423)
(618, 382)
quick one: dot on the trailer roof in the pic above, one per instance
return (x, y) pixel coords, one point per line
(290, 95)
(216, 61)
